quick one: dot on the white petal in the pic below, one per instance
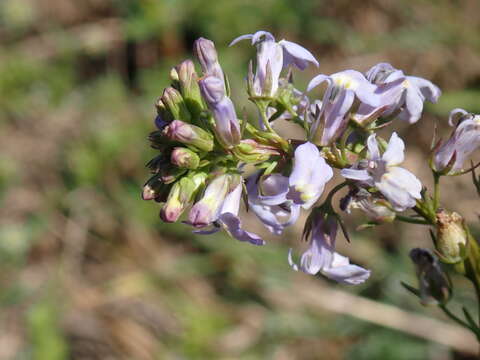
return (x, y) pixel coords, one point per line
(317, 80)
(299, 53)
(372, 145)
(354, 174)
(430, 91)
(394, 154)
(400, 187)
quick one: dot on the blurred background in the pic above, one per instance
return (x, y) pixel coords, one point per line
(88, 271)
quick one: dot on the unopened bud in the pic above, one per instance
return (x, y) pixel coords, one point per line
(227, 127)
(434, 285)
(188, 80)
(213, 90)
(180, 197)
(451, 240)
(153, 188)
(250, 151)
(205, 51)
(174, 76)
(189, 134)
(162, 111)
(184, 158)
(175, 103)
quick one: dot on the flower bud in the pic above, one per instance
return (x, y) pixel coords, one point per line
(250, 151)
(189, 134)
(451, 237)
(434, 284)
(212, 90)
(174, 75)
(184, 158)
(153, 188)
(188, 80)
(173, 100)
(207, 209)
(205, 51)
(181, 196)
(227, 127)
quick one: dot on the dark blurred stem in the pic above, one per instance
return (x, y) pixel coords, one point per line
(472, 270)
(457, 319)
(332, 192)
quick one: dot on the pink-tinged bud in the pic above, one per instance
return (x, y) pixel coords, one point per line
(204, 50)
(184, 158)
(189, 134)
(175, 103)
(154, 188)
(181, 196)
(250, 151)
(207, 209)
(451, 237)
(188, 80)
(227, 127)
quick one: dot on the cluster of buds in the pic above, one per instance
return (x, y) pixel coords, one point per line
(203, 148)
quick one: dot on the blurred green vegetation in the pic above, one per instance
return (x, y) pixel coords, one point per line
(88, 271)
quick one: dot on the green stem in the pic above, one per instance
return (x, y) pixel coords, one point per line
(436, 190)
(263, 113)
(411, 220)
(343, 143)
(430, 218)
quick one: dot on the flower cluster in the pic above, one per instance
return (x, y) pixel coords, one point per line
(204, 146)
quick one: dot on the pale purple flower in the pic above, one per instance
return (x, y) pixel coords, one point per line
(322, 258)
(267, 199)
(272, 57)
(208, 208)
(399, 186)
(228, 219)
(465, 139)
(231, 222)
(227, 127)
(342, 89)
(309, 175)
(399, 92)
